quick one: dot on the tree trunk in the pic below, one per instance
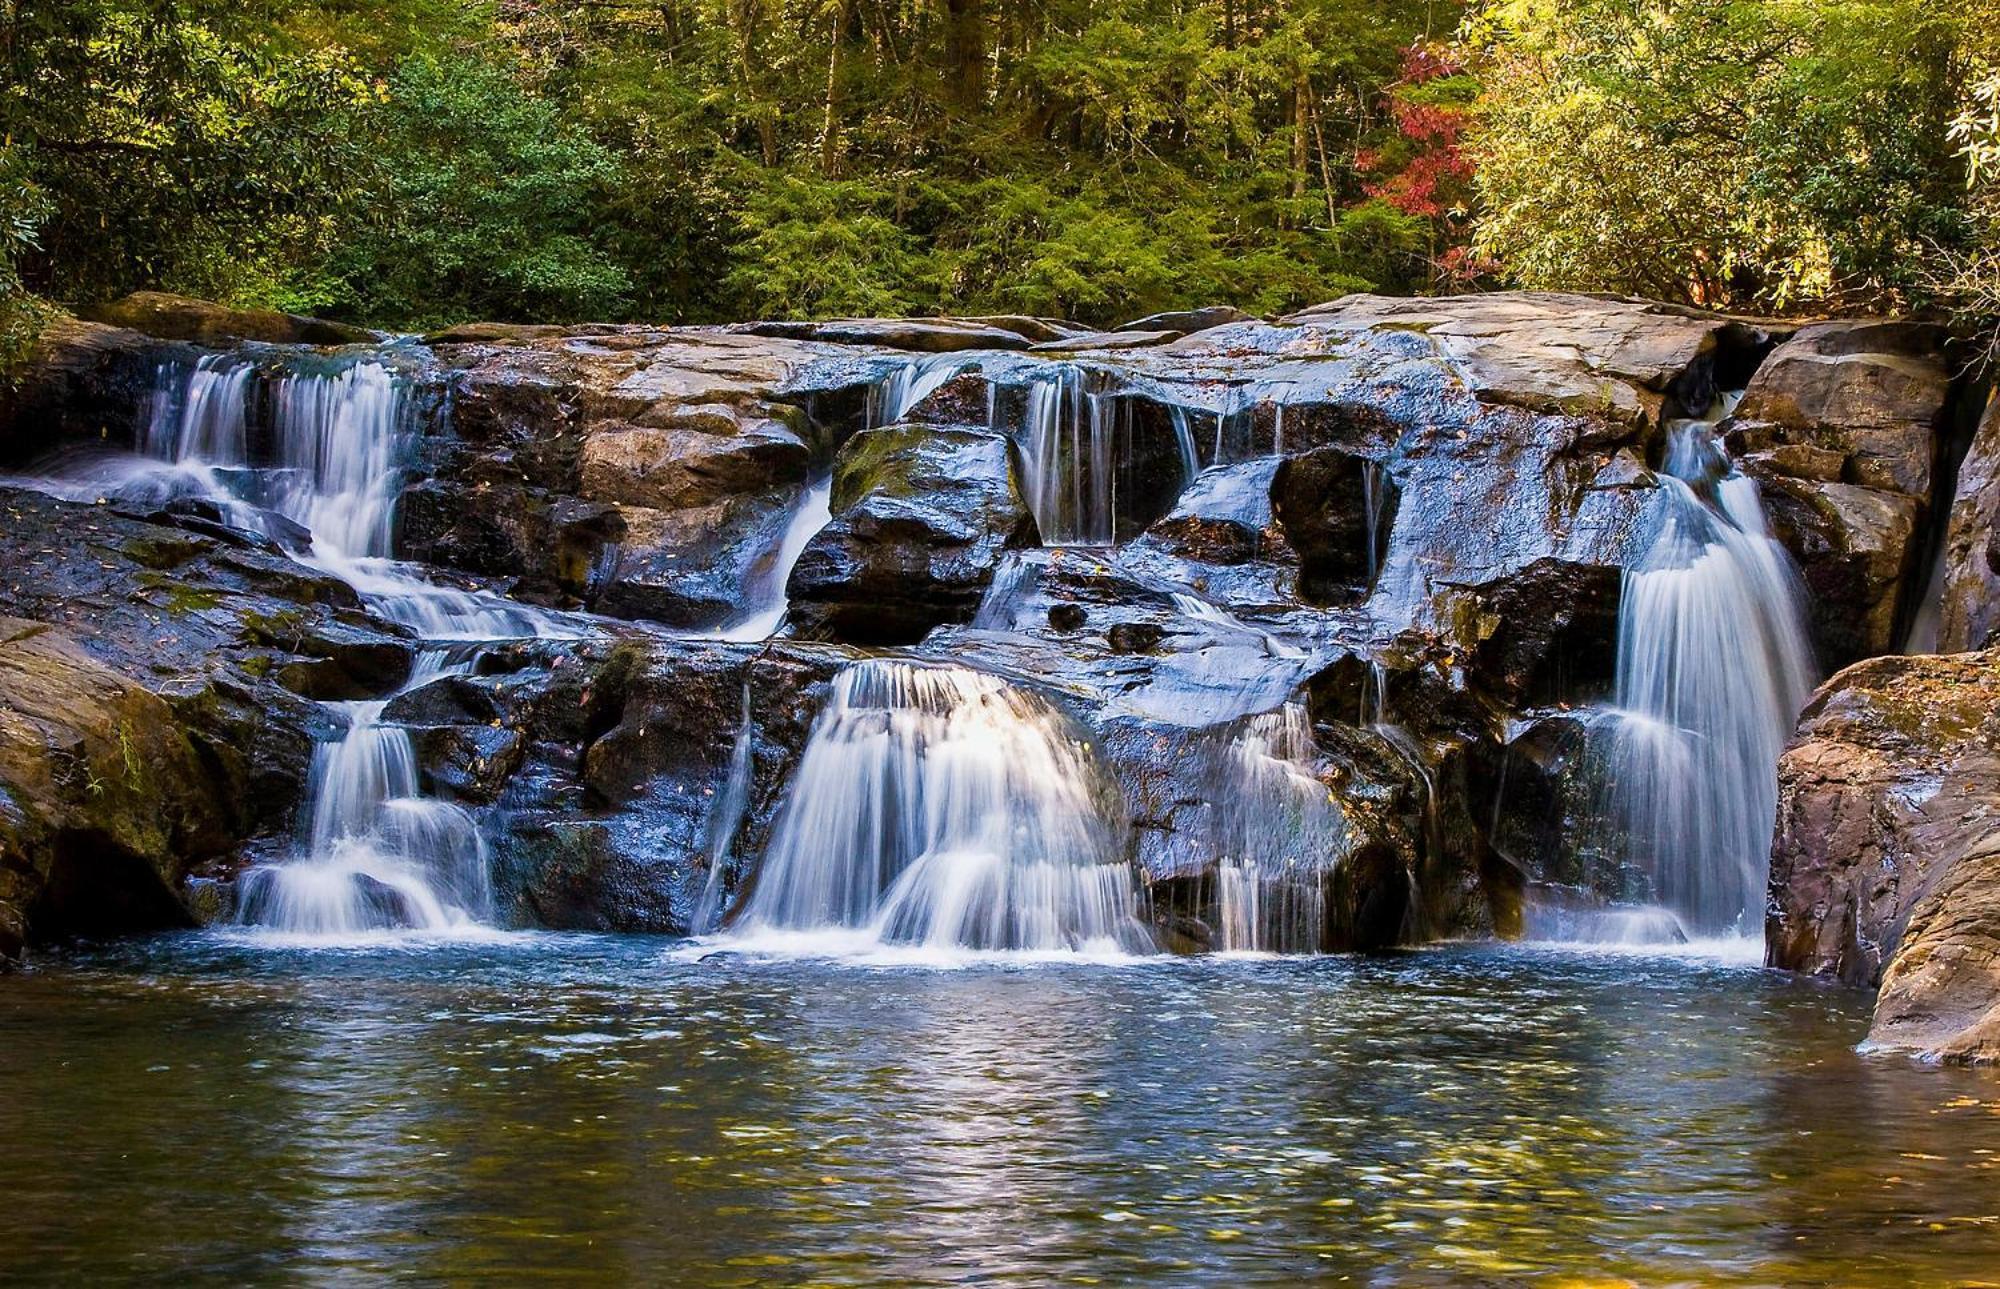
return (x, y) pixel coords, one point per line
(965, 51)
(829, 133)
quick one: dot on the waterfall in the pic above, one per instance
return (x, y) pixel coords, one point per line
(1279, 832)
(813, 512)
(375, 854)
(1068, 458)
(1713, 667)
(198, 416)
(379, 855)
(895, 396)
(940, 807)
(341, 439)
(723, 821)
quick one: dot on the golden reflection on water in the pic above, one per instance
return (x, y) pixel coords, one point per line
(589, 1108)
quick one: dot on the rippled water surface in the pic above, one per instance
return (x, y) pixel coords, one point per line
(599, 1108)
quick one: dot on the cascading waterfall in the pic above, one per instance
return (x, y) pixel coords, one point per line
(1279, 833)
(376, 854)
(379, 855)
(1067, 450)
(724, 819)
(940, 807)
(896, 395)
(1713, 667)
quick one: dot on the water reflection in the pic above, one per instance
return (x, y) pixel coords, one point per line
(602, 1108)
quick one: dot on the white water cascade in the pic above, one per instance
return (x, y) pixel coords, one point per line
(1280, 833)
(376, 854)
(1067, 451)
(379, 855)
(940, 807)
(1713, 667)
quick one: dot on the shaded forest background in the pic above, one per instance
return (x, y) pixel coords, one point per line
(409, 162)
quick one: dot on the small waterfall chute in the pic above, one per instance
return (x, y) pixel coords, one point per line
(1279, 833)
(940, 807)
(1713, 667)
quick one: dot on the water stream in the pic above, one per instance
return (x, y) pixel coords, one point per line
(942, 808)
(1713, 667)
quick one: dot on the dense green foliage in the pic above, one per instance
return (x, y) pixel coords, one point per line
(1758, 153)
(405, 161)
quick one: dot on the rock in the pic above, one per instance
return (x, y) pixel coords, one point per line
(1186, 321)
(81, 384)
(1134, 637)
(104, 800)
(1941, 992)
(1856, 552)
(1875, 392)
(1554, 352)
(698, 567)
(1222, 538)
(1123, 338)
(1843, 424)
(921, 515)
(1969, 615)
(216, 629)
(636, 471)
(1894, 774)
(706, 456)
(623, 800)
(922, 335)
(1335, 509)
(177, 317)
(1034, 329)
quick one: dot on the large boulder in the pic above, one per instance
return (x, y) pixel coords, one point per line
(178, 317)
(922, 335)
(1842, 424)
(81, 383)
(635, 780)
(104, 800)
(1941, 992)
(1894, 776)
(642, 472)
(921, 516)
(1969, 610)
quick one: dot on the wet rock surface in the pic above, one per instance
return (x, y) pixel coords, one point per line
(1882, 870)
(1401, 525)
(921, 517)
(203, 652)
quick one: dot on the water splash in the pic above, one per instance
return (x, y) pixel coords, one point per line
(941, 807)
(1713, 667)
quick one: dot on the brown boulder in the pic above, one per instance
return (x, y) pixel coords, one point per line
(1941, 994)
(104, 802)
(178, 317)
(1841, 424)
(1969, 615)
(1893, 776)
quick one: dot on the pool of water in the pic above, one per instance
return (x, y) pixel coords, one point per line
(607, 1108)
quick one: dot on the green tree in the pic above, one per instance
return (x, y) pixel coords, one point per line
(1773, 153)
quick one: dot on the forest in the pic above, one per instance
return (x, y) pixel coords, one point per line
(402, 163)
